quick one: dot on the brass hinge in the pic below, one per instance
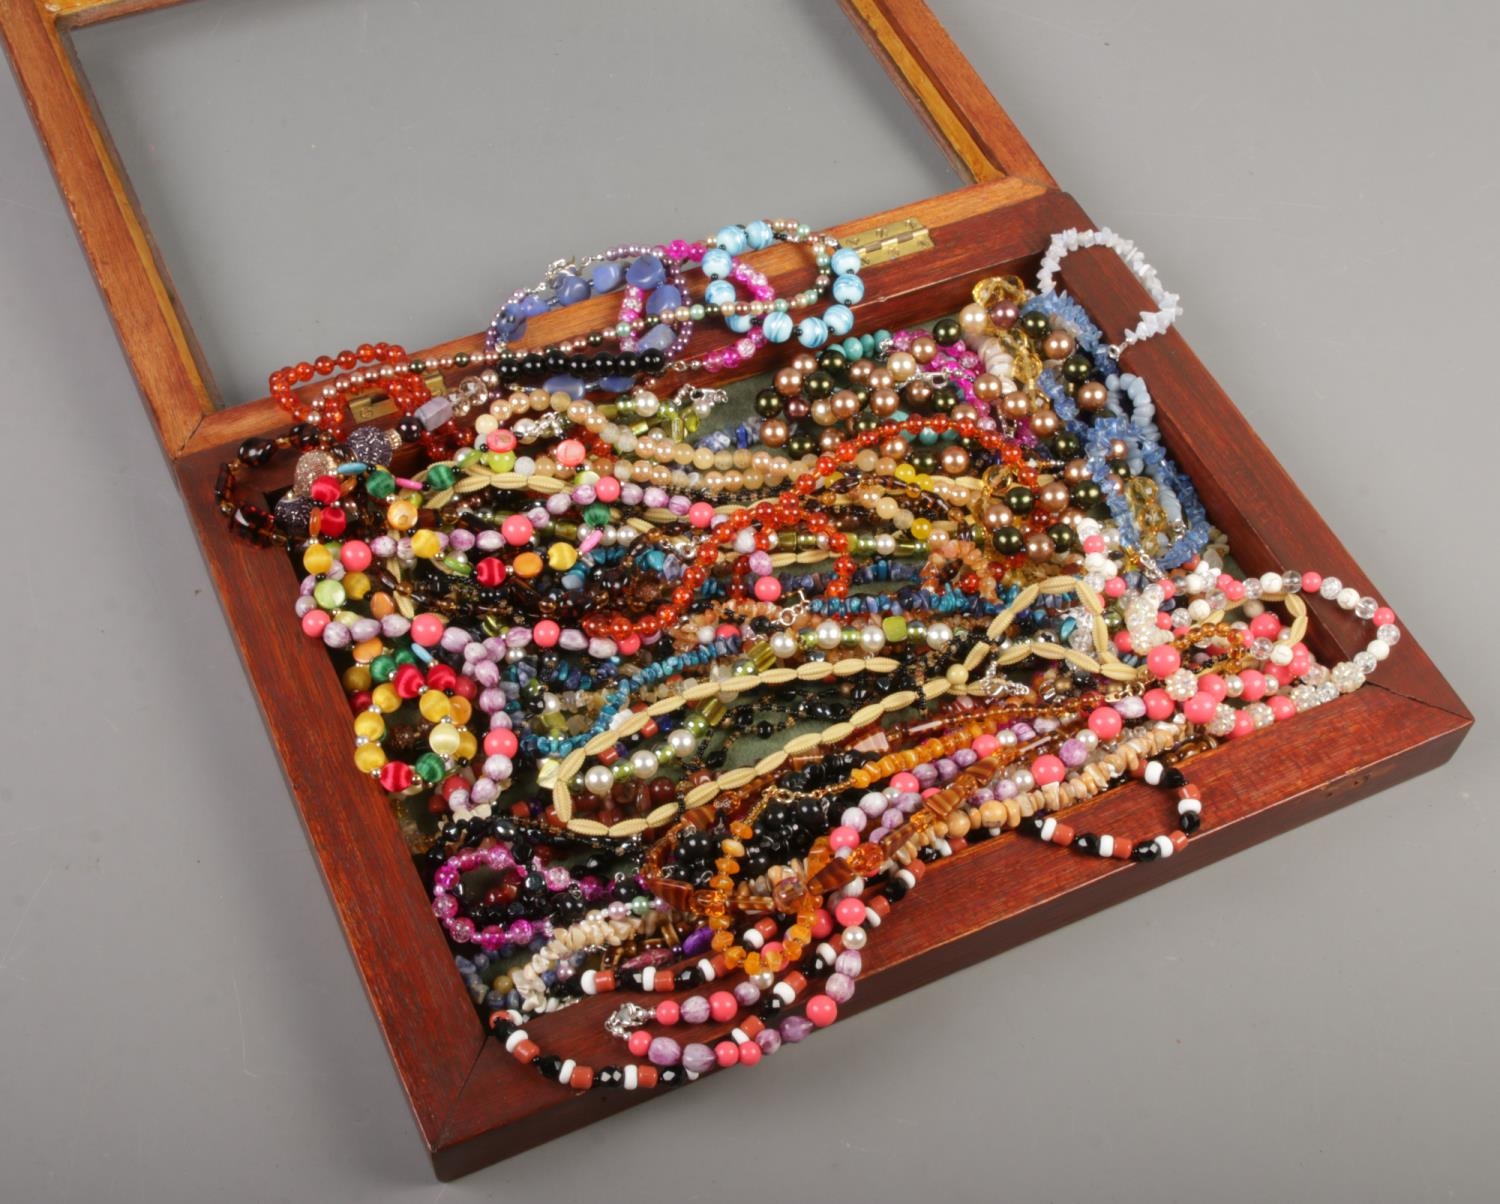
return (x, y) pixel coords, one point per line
(370, 406)
(892, 241)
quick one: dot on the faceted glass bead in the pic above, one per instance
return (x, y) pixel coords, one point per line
(788, 892)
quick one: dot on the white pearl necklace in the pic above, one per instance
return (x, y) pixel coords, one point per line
(1152, 322)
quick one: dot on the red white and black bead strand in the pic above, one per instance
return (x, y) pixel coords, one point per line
(745, 1043)
(1051, 830)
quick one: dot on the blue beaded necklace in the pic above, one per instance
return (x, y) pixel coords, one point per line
(1129, 418)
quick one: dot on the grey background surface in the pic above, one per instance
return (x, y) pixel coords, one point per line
(1314, 1019)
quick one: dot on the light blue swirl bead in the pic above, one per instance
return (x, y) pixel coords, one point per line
(733, 239)
(839, 319)
(739, 323)
(848, 290)
(812, 332)
(846, 261)
(717, 263)
(719, 292)
(760, 235)
(777, 327)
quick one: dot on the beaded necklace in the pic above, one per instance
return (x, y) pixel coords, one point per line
(976, 592)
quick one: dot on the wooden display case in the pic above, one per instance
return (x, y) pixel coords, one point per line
(473, 1104)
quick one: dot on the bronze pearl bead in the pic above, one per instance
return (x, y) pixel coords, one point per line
(805, 362)
(1039, 545)
(845, 404)
(788, 381)
(954, 460)
(1058, 345)
(884, 402)
(1053, 496)
(1092, 396)
(902, 365)
(1016, 405)
(987, 387)
(1004, 314)
(1045, 423)
(996, 515)
(972, 320)
(923, 348)
(917, 392)
(774, 432)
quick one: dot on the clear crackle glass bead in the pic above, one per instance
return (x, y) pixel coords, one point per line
(1346, 677)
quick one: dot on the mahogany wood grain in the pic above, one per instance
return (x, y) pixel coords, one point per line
(472, 1103)
(76, 14)
(135, 285)
(942, 86)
